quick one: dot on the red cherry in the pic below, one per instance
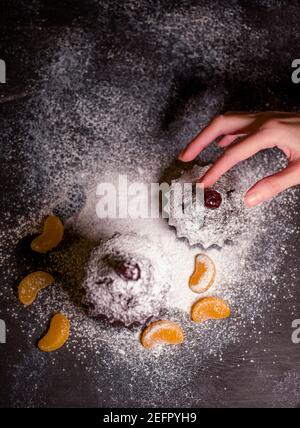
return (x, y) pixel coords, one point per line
(212, 199)
(128, 270)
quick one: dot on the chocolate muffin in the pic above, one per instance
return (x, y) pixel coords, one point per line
(218, 217)
(127, 278)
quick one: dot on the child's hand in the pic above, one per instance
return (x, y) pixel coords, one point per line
(258, 131)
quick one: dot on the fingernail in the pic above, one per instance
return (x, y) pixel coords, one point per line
(252, 199)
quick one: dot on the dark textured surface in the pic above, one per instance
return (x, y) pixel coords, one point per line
(189, 50)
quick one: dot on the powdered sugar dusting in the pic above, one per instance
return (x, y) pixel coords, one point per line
(122, 299)
(207, 227)
(246, 278)
(79, 130)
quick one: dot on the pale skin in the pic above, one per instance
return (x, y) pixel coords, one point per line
(244, 135)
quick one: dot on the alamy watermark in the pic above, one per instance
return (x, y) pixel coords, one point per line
(123, 199)
(2, 332)
(296, 332)
(2, 71)
(296, 73)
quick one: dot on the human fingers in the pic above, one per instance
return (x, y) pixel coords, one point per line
(236, 154)
(270, 187)
(221, 125)
(229, 139)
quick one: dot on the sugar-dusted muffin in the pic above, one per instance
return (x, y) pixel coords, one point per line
(127, 279)
(221, 215)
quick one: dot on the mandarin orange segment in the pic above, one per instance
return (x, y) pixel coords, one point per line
(204, 274)
(162, 333)
(57, 335)
(31, 285)
(51, 236)
(210, 308)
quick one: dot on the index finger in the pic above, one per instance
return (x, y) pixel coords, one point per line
(221, 125)
(237, 154)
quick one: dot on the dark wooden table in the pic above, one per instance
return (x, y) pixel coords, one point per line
(192, 50)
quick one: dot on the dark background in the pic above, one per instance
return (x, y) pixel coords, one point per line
(246, 55)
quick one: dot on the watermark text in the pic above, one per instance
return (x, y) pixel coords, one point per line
(2, 71)
(296, 73)
(123, 199)
(296, 332)
(2, 332)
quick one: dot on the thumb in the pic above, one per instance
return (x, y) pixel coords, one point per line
(270, 187)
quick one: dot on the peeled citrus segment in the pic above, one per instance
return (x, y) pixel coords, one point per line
(162, 333)
(57, 335)
(204, 274)
(210, 308)
(31, 285)
(52, 235)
